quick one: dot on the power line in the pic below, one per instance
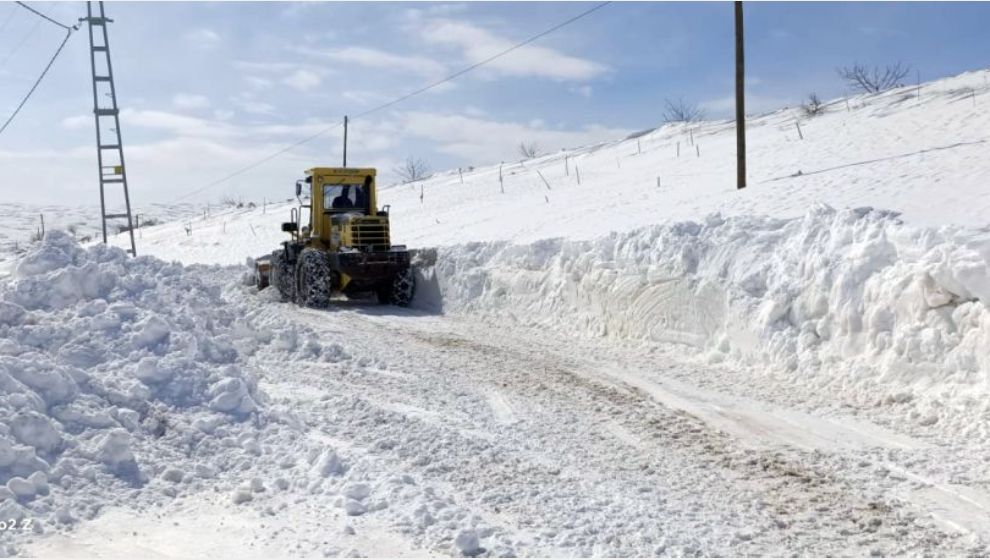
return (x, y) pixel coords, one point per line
(483, 62)
(397, 100)
(36, 12)
(68, 33)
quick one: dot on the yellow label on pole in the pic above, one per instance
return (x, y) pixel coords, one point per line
(118, 169)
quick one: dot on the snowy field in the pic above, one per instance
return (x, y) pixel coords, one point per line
(22, 223)
(621, 366)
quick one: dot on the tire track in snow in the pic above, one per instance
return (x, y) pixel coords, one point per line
(575, 418)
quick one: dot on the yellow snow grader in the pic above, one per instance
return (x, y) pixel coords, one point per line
(344, 248)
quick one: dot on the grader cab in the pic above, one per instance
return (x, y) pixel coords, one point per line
(343, 248)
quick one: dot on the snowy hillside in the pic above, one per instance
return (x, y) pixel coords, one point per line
(923, 157)
(645, 362)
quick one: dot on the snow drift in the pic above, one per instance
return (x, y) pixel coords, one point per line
(852, 299)
(103, 357)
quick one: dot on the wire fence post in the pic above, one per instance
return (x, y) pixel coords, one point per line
(544, 179)
(798, 125)
(501, 182)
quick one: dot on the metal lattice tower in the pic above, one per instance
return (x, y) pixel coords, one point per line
(109, 147)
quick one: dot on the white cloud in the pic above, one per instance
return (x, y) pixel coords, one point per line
(198, 149)
(375, 58)
(258, 82)
(303, 80)
(203, 38)
(481, 141)
(255, 66)
(190, 101)
(364, 97)
(584, 91)
(478, 44)
(254, 107)
(248, 103)
(76, 122)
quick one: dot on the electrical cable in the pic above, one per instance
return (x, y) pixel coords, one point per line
(68, 33)
(37, 13)
(397, 100)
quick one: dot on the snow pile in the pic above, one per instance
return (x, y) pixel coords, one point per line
(102, 357)
(851, 299)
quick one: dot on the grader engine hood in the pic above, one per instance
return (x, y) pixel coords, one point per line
(364, 233)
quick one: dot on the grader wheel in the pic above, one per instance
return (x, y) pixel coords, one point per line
(313, 279)
(400, 290)
(282, 276)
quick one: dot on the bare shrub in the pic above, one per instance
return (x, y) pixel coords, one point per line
(233, 202)
(876, 79)
(682, 111)
(414, 169)
(529, 151)
(813, 106)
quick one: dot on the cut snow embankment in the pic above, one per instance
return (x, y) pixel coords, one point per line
(126, 379)
(852, 300)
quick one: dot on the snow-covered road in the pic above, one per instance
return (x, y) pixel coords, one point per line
(544, 445)
(781, 378)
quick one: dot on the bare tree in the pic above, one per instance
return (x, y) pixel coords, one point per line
(232, 201)
(876, 79)
(813, 106)
(414, 169)
(682, 111)
(529, 151)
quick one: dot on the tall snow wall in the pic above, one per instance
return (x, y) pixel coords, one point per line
(852, 296)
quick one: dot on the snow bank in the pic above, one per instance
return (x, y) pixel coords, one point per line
(118, 370)
(850, 299)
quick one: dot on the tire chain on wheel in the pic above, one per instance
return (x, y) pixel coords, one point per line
(403, 288)
(313, 279)
(283, 276)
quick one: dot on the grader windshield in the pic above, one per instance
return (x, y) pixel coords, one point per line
(345, 198)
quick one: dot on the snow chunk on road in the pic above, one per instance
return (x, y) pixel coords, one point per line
(467, 542)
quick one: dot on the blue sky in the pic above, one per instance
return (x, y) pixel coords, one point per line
(206, 88)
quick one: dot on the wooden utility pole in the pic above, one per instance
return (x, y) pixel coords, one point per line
(740, 102)
(345, 140)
